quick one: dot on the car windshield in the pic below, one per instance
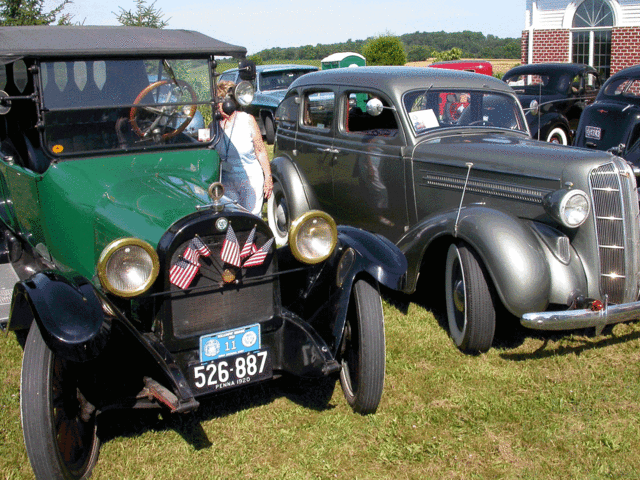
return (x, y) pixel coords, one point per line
(107, 105)
(431, 109)
(623, 89)
(539, 83)
(279, 80)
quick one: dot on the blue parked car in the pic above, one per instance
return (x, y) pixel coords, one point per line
(271, 83)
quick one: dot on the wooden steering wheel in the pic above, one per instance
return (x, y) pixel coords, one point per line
(167, 111)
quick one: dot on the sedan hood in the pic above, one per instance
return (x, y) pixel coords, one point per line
(510, 156)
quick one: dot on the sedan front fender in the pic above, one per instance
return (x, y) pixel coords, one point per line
(526, 275)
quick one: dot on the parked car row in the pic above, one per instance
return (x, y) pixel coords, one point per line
(138, 284)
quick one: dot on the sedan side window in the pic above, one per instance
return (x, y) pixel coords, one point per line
(319, 109)
(360, 122)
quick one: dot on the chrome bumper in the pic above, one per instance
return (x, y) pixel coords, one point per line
(575, 319)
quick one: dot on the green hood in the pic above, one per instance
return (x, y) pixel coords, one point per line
(90, 202)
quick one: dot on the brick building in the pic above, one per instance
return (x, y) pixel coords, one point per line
(602, 33)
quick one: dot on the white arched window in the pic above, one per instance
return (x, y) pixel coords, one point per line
(591, 35)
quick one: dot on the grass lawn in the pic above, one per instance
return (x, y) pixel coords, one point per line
(537, 406)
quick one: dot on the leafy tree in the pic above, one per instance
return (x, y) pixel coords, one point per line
(144, 16)
(31, 12)
(418, 53)
(453, 54)
(384, 50)
(257, 59)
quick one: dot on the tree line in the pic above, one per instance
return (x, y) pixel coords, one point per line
(418, 46)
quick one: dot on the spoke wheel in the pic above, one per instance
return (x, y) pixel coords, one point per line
(162, 115)
(58, 423)
(558, 135)
(279, 214)
(471, 311)
(362, 351)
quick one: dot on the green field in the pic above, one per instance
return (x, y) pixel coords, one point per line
(537, 407)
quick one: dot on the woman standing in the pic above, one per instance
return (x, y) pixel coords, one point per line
(246, 173)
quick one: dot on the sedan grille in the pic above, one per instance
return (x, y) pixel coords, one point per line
(608, 192)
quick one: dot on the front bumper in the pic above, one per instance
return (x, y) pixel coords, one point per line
(576, 319)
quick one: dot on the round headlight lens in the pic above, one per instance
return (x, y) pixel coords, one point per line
(244, 93)
(128, 267)
(313, 237)
(574, 208)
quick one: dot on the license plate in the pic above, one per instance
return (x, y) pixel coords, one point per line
(594, 133)
(230, 342)
(230, 372)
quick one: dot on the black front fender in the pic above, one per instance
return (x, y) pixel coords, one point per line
(299, 193)
(67, 310)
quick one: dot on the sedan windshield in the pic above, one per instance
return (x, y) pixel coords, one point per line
(279, 80)
(431, 109)
(107, 105)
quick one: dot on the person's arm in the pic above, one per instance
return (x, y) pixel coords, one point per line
(261, 154)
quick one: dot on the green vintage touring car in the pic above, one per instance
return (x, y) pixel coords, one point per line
(129, 277)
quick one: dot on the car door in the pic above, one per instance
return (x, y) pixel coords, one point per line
(367, 167)
(314, 141)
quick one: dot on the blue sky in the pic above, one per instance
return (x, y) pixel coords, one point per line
(262, 24)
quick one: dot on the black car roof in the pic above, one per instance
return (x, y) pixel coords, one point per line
(401, 78)
(632, 72)
(108, 41)
(551, 68)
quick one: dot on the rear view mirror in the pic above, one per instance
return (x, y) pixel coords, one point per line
(247, 70)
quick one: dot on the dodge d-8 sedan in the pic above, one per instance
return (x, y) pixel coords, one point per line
(441, 163)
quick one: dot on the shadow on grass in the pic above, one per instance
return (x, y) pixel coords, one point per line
(509, 333)
(313, 394)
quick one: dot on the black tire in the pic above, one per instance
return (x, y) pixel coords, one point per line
(362, 351)
(471, 311)
(279, 214)
(60, 443)
(269, 130)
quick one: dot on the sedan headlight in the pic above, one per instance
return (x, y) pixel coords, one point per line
(313, 237)
(569, 207)
(128, 267)
(244, 93)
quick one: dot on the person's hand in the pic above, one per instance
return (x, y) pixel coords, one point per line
(268, 186)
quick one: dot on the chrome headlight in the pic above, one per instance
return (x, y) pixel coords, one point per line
(244, 93)
(128, 267)
(313, 237)
(569, 207)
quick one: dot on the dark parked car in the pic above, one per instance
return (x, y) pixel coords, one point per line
(139, 284)
(612, 122)
(549, 232)
(271, 83)
(553, 96)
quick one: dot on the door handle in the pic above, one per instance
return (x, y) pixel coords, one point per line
(329, 150)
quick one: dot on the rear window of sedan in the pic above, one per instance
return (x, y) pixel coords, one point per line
(628, 88)
(431, 109)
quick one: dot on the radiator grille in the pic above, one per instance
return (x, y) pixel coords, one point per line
(607, 193)
(210, 302)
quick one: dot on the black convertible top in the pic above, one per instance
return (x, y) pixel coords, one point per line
(102, 41)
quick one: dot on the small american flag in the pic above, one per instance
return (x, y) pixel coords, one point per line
(230, 252)
(258, 257)
(249, 247)
(199, 246)
(182, 272)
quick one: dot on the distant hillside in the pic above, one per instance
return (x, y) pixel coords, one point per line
(419, 46)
